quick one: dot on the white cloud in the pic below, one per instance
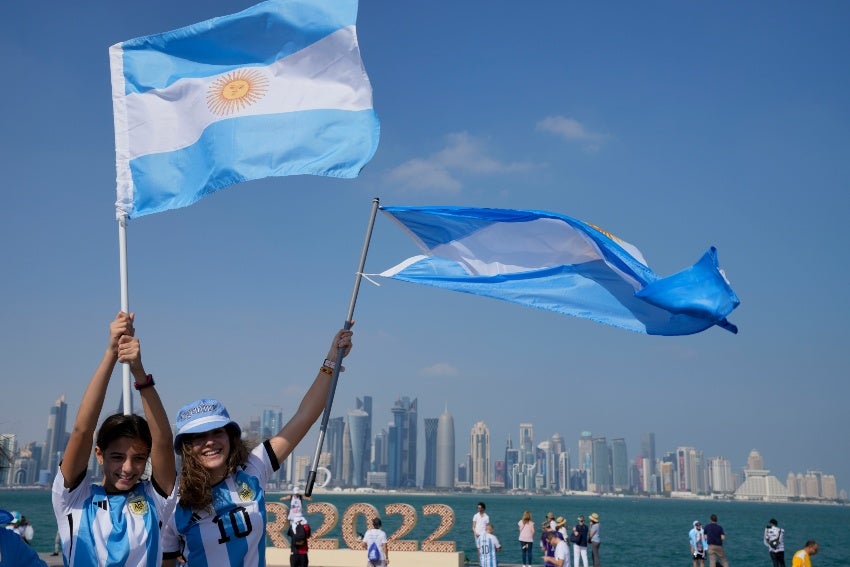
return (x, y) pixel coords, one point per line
(572, 130)
(439, 369)
(462, 154)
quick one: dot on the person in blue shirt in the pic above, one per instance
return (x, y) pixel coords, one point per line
(116, 522)
(14, 551)
(221, 511)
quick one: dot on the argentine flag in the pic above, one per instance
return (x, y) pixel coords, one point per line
(277, 89)
(554, 262)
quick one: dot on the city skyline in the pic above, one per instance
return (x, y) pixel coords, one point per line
(389, 458)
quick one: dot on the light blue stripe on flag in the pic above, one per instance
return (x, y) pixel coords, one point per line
(277, 89)
(557, 263)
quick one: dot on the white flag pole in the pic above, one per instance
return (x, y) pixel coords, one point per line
(311, 479)
(127, 398)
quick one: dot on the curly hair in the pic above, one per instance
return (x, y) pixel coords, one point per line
(195, 481)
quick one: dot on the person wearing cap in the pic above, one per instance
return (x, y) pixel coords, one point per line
(594, 538)
(561, 528)
(299, 550)
(220, 512)
(774, 539)
(561, 552)
(13, 549)
(696, 537)
(579, 541)
(117, 521)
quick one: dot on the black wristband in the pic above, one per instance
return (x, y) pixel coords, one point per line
(147, 384)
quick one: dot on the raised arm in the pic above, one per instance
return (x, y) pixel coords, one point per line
(80, 442)
(312, 404)
(162, 447)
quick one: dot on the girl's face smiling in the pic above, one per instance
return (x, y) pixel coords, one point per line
(211, 449)
(123, 462)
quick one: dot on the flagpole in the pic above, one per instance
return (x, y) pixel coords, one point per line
(127, 398)
(311, 479)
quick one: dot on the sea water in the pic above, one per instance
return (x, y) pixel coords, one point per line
(635, 530)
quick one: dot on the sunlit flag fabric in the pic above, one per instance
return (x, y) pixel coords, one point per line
(277, 89)
(554, 262)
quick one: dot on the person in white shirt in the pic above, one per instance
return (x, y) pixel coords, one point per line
(562, 551)
(774, 539)
(480, 521)
(377, 537)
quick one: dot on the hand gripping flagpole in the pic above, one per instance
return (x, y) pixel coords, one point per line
(311, 479)
(127, 397)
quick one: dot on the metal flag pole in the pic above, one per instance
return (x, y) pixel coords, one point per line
(311, 479)
(127, 394)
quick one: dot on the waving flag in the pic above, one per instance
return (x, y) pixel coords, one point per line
(554, 262)
(277, 89)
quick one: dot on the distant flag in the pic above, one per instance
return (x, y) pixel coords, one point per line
(277, 89)
(554, 262)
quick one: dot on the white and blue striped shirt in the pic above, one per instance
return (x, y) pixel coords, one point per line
(234, 532)
(487, 545)
(100, 529)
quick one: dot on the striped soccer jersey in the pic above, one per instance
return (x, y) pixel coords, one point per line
(487, 545)
(103, 529)
(234, 532)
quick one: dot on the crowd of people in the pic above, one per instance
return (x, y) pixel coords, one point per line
(554, 542)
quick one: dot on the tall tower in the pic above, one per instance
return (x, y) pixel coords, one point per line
(336, 428)
(526, 444)
(358, 429)
(54, 444)
(619, 464)
(600, 472)
(479, 450)
(430, 478)
(511, 462)
(647, 450)
(754, 461)
(402, 458)
(365, 404)
(445, 450)
(585, 451)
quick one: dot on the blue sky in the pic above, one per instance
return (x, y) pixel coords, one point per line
(674, 125)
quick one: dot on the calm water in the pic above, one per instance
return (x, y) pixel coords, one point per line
(635, 531)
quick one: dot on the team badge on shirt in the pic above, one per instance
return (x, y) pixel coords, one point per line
(138, 505)
(246, 494)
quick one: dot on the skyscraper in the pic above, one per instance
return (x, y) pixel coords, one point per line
(54, 444)
(358, 429)
(430, 477)
(365, 404)
(401, 468)
(585, 451)
(445, 450)
(336, 428)
(600, 472)
(479, 450)
(526, 444)
(511, 462)
(647, 451)
(619, 464)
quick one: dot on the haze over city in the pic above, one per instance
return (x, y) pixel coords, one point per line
(674, 126)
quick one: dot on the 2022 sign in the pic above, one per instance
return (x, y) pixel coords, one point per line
(277, 528)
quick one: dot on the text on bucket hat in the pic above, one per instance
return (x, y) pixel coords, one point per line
(201, 416)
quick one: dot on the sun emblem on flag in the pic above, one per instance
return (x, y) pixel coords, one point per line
(236, 90)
